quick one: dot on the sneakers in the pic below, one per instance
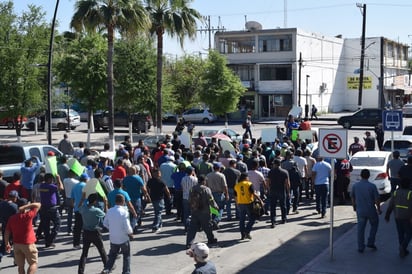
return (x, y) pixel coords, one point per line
(247, 236)
(372, 247)
(272, 226)
(50, 246)
(77, 247)
(211, 242)
(155, 230)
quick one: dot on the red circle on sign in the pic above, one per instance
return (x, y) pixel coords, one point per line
(327, 143)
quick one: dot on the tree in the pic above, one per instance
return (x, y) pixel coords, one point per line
(183, 78)
(177, 19)
(127, 17)
(220, 88)
(135, 73)
(81, 65)
(23, 45)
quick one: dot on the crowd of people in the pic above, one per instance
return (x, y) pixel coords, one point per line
(198, 185)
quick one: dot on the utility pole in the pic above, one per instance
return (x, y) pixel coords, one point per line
(362, 57)
(300, 78)
(209, 29)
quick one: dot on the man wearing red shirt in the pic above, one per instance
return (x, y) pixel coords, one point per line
(21, 228)
(15, 185)
(119, 171)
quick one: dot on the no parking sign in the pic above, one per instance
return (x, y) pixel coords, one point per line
(333, 143)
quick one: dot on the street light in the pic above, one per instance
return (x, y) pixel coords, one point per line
(307, 95)
(49, 78)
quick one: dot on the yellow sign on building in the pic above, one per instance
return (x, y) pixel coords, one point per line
(353, 82)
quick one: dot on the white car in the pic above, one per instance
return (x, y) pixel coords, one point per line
(59, 120)
(199, 115)
(407, 109)
(376, 162)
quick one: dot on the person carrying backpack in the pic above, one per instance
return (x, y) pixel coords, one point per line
(201, 201)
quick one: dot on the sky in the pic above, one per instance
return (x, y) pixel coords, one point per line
(328, 17)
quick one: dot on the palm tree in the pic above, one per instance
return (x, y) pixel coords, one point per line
(177, 19)
(126, 17)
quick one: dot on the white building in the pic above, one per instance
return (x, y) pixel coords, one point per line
(282, 67)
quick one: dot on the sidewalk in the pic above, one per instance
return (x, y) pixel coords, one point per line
(346, 258)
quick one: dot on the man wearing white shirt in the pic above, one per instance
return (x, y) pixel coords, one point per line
(120, 234)
(68, 184)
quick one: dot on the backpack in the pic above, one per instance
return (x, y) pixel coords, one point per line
(295, 176)
(195, 199)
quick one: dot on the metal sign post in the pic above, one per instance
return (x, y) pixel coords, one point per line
(333, 145)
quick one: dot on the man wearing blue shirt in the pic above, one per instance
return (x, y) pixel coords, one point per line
(77, 193)
(111, 197)
(365, 201)
(28, 172)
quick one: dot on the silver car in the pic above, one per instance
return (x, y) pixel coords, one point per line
(407, 109)
(199, 115)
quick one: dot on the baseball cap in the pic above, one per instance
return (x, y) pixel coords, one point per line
(50, 153)
(240, 156)
(189, 170)
(108, 168)
(163, 146)
(13, 194)
(22, 202)
(217, 165)
(84, 176)
(121, 146)
(200, 251)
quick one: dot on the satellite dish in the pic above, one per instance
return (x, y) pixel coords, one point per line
(253, 26)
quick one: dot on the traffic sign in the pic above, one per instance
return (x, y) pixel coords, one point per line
(333, 143)
(392, 120)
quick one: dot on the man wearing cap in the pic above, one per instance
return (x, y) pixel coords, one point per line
(49, 212)
(240, 165)
(356, 146)
(200, 253)
(216, 181)
(21, 229)
(166, 171)
(76, 195)
(28, 172)
(369, 141)
(107, 178)
(188, 182)
(134, 186)
(7, 209)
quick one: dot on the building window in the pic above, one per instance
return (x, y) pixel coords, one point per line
(237, 45)
(271, 43)
(275, 72)
(245, 73)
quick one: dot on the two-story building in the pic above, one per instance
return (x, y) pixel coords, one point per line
(288, 66)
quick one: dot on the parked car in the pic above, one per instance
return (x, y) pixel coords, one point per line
(59, 120)
(10, 123)
(402, 143)
(198, 115)
(169, 117)
(13, 155)
(407, 110)
(368, 117)
(376, 162)
(141, 122)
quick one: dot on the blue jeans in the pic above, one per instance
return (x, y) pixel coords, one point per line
(158, 207)
(404, 228)
(138, 208)
(114, 251)
(321, 192)
(374, 222)
(228, 205)
(47, 215)
(186, 212)
(244, 210)
(395, 182)
(219, 199)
